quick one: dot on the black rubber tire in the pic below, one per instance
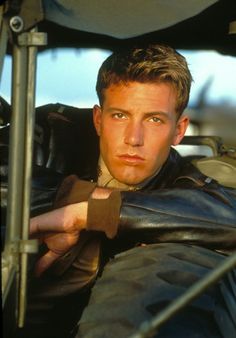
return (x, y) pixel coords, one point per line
(138, 283)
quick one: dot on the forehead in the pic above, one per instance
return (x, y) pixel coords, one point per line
(143, 96)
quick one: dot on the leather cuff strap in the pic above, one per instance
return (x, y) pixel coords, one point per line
(73, 190)
(104, 214)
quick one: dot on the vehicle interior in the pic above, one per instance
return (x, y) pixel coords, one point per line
(37, 140)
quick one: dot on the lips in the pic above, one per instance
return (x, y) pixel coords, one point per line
(131, 159)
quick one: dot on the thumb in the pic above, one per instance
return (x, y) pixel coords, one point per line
(45, 262)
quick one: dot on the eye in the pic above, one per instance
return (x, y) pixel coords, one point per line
(155, 119)
(119, 116)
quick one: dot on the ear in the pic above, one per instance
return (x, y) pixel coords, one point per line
(97, 117)
(181, 127)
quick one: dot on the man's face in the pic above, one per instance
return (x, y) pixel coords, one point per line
(137, 125)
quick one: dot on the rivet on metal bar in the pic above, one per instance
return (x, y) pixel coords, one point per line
(17, 24)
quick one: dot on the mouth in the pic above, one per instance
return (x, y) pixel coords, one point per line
(131, 159)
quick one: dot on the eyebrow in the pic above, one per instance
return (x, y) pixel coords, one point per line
(111, 109)
(147, 114)
(159, 113)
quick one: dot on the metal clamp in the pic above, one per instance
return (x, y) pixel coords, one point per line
(32, 39)
(28, 246)
(25, 246)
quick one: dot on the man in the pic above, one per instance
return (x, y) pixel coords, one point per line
(144, 191)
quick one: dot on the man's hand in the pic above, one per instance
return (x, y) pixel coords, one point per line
(59, 230)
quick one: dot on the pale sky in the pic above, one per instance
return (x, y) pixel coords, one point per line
(69, 76)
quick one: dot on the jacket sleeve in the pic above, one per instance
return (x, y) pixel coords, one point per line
(192, 211)
(204, 215)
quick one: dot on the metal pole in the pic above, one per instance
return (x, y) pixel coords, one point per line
(29, 134)
(17, 141)
(17, 245)
(16, 161)
(149, 328)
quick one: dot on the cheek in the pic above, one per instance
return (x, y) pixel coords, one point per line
(160, 139)
(158, 146)
(109, 138)
(112, 133)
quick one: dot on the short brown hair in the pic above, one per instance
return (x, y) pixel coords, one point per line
(155, 63)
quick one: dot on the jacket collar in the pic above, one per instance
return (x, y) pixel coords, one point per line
(168, 173)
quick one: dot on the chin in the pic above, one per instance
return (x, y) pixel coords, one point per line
(129, 181)
(129, 177)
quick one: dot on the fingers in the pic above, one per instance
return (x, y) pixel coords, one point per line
(50, 221)
(66, 219)
(45, 262)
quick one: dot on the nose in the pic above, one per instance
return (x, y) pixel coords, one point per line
(134, 134)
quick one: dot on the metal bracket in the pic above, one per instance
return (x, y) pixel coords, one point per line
(32, 39)
(24, 14)
(28, 246)
(24, 246)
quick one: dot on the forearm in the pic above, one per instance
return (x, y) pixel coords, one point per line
(207, 218)
(179, 215)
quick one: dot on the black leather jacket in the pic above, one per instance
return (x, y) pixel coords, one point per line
(181, 204)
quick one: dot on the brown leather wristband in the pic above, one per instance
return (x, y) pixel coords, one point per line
(73, 190)
(104, 214)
